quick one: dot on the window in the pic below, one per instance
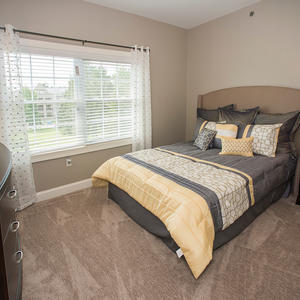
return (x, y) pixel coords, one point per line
(108, 103)
(72, 101)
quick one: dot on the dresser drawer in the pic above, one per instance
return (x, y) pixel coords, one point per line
(13, 263)
(7, 207)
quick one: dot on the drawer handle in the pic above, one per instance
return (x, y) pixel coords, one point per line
(19, 256)
(14, 226)
(12, 194)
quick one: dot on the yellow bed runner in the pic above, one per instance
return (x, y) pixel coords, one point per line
(185, 213)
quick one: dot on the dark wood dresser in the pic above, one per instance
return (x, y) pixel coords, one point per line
(11, 254)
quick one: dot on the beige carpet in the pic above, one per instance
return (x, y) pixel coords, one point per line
(82, 246)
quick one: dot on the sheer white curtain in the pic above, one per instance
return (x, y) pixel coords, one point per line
(13, 131)
(142, 129)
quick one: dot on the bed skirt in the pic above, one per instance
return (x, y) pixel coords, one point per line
(152, 224)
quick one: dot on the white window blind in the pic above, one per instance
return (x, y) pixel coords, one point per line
(108, 100)
(72, 102)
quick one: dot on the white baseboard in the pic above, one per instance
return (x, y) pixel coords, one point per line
(64, 189)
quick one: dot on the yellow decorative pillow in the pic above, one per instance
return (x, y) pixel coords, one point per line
(243, 147)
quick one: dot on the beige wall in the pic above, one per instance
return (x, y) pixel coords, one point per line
(231, 51)
(76, 18)
(237, 50)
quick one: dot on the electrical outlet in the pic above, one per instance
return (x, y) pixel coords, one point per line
(68, 162)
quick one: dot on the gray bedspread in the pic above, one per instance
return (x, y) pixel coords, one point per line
(267, 173)
(271, 177)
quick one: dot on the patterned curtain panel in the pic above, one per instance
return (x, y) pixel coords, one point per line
(13, 132)
(142, 129)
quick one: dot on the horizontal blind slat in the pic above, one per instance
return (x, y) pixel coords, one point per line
(67, 104)
(107, 88)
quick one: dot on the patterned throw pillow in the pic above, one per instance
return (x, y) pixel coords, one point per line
(243, 147)
(223, 130)
(204, 138)
(287, 130)
(265, 138)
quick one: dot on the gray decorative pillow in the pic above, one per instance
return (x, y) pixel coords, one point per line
(238, 117)
(212, 114)
(199, 123)
(204, 138)
(286, 130)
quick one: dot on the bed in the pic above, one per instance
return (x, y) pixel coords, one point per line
(196, 201)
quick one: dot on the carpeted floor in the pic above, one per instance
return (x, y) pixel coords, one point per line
(82, 246)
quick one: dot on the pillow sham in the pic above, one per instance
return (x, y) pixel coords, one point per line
(223, 130)
(256, 108)
(238, 117)
(243, 147)
(199, 125)
(265, 138)
(288, 120)
(204, 138)
(212, 114)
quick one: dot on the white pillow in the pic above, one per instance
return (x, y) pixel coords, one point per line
(265, 138)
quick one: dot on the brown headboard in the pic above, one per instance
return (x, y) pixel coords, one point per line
(270, 99)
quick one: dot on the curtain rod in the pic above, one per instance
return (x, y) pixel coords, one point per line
(71, 39)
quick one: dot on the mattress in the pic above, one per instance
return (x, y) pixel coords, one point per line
(177, 184)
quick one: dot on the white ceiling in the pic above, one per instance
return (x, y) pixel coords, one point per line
(182, 13)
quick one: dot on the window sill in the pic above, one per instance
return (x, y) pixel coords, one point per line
(79, 150)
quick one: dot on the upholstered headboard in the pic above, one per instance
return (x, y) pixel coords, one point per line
(270, 99)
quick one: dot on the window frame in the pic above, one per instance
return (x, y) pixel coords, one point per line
(81, 52)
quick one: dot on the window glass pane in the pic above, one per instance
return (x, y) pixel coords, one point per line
(71, 102)
(107, 94)
(42, 66)
(50, 102)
